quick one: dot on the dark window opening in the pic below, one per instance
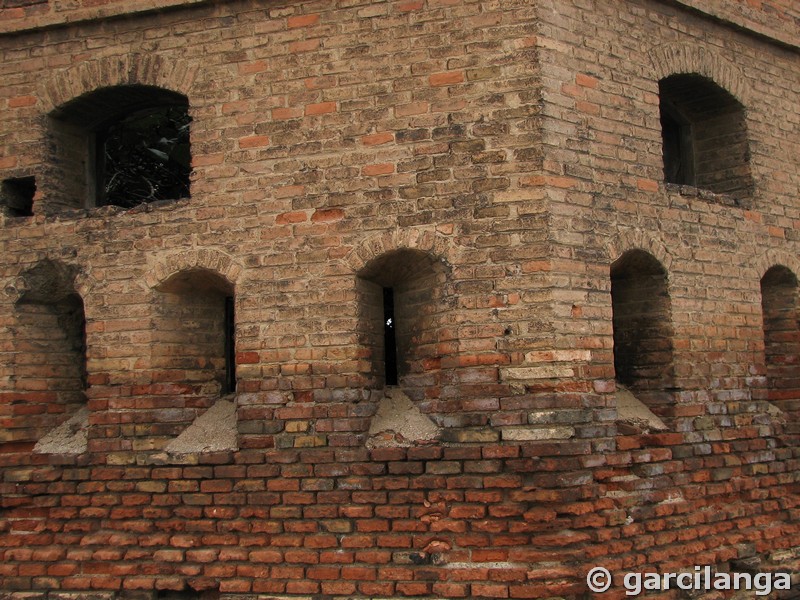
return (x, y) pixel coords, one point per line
(389, 337)
(230, 348)
(121, 146)
(676, 135)
(704, 134)
(779, 302)
(17, 196)
(144, 157)
(641, 322)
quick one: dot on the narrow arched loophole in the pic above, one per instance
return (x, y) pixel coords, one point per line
(399, 294)
(642, 322)
(195, 337)
(779, 303)
(50, 349)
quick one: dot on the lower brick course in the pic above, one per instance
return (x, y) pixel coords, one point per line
(403, 531)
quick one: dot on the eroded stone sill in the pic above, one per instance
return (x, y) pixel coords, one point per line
(17, 20)
(100, 212)
(690, 191)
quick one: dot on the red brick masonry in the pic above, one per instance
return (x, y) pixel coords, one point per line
(499, 165)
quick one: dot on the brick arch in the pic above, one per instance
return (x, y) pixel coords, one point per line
(57, 276)
(212, 260)
(428, 240)
(638, 240)
(83, 284)
(132, 69)
(405, 272)
(762, 263)
(49, 317)
(677, 58)
(777, 282)
(642, 325)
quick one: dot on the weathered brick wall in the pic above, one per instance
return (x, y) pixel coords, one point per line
(607, 197)
(490, 162)
(714, 254)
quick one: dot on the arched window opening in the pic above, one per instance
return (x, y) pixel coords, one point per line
(121, 146)
(642, 323)
(50, 346)
(779, 298)
(399, 293)
(194, 340)
(704, 136)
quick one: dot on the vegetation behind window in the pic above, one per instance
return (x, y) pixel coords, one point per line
(145, 157)
(121, 146)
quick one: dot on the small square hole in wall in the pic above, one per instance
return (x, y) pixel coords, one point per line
(16, 195)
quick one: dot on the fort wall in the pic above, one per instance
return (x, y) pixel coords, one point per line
(496, 172)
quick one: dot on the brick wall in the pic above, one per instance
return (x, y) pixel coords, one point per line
(491, 163)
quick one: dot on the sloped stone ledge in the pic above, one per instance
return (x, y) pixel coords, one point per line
(68, 438)
(399, 423)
